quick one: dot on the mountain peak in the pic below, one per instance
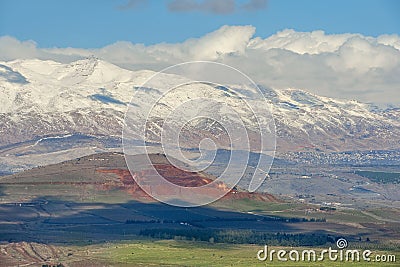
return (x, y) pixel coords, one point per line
(83, 95)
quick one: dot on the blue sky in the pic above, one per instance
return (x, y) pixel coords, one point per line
(92, 24)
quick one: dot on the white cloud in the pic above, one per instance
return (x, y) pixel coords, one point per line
(226, 40)
(391, 40)
(12, 48)
(302, 42)
(361, 55)
(337, 65)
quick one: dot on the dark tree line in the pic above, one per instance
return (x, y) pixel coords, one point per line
(240, 237)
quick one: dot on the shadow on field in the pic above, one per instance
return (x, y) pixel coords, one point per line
(50, 220)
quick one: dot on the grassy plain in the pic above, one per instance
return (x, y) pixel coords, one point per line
(185, 253)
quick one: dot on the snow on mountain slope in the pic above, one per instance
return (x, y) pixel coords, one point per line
(87, 96)
(90, 96)
(306, 120)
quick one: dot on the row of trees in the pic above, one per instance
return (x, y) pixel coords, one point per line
(240, 237)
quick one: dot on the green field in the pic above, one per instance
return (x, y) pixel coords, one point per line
(298, 210)
(184, 253)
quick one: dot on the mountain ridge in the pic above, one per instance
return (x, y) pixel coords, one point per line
(44, 98)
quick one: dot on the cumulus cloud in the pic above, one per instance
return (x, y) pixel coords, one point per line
(349, 66)
(228, 40)
(12, 48)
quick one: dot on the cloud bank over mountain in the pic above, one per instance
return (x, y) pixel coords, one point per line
(347, 65)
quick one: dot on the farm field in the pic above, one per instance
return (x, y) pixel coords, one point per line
(147, 252)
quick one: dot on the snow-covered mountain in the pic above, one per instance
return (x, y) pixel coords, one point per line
(89, 97)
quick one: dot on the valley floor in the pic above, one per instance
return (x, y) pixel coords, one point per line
(161, 253)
